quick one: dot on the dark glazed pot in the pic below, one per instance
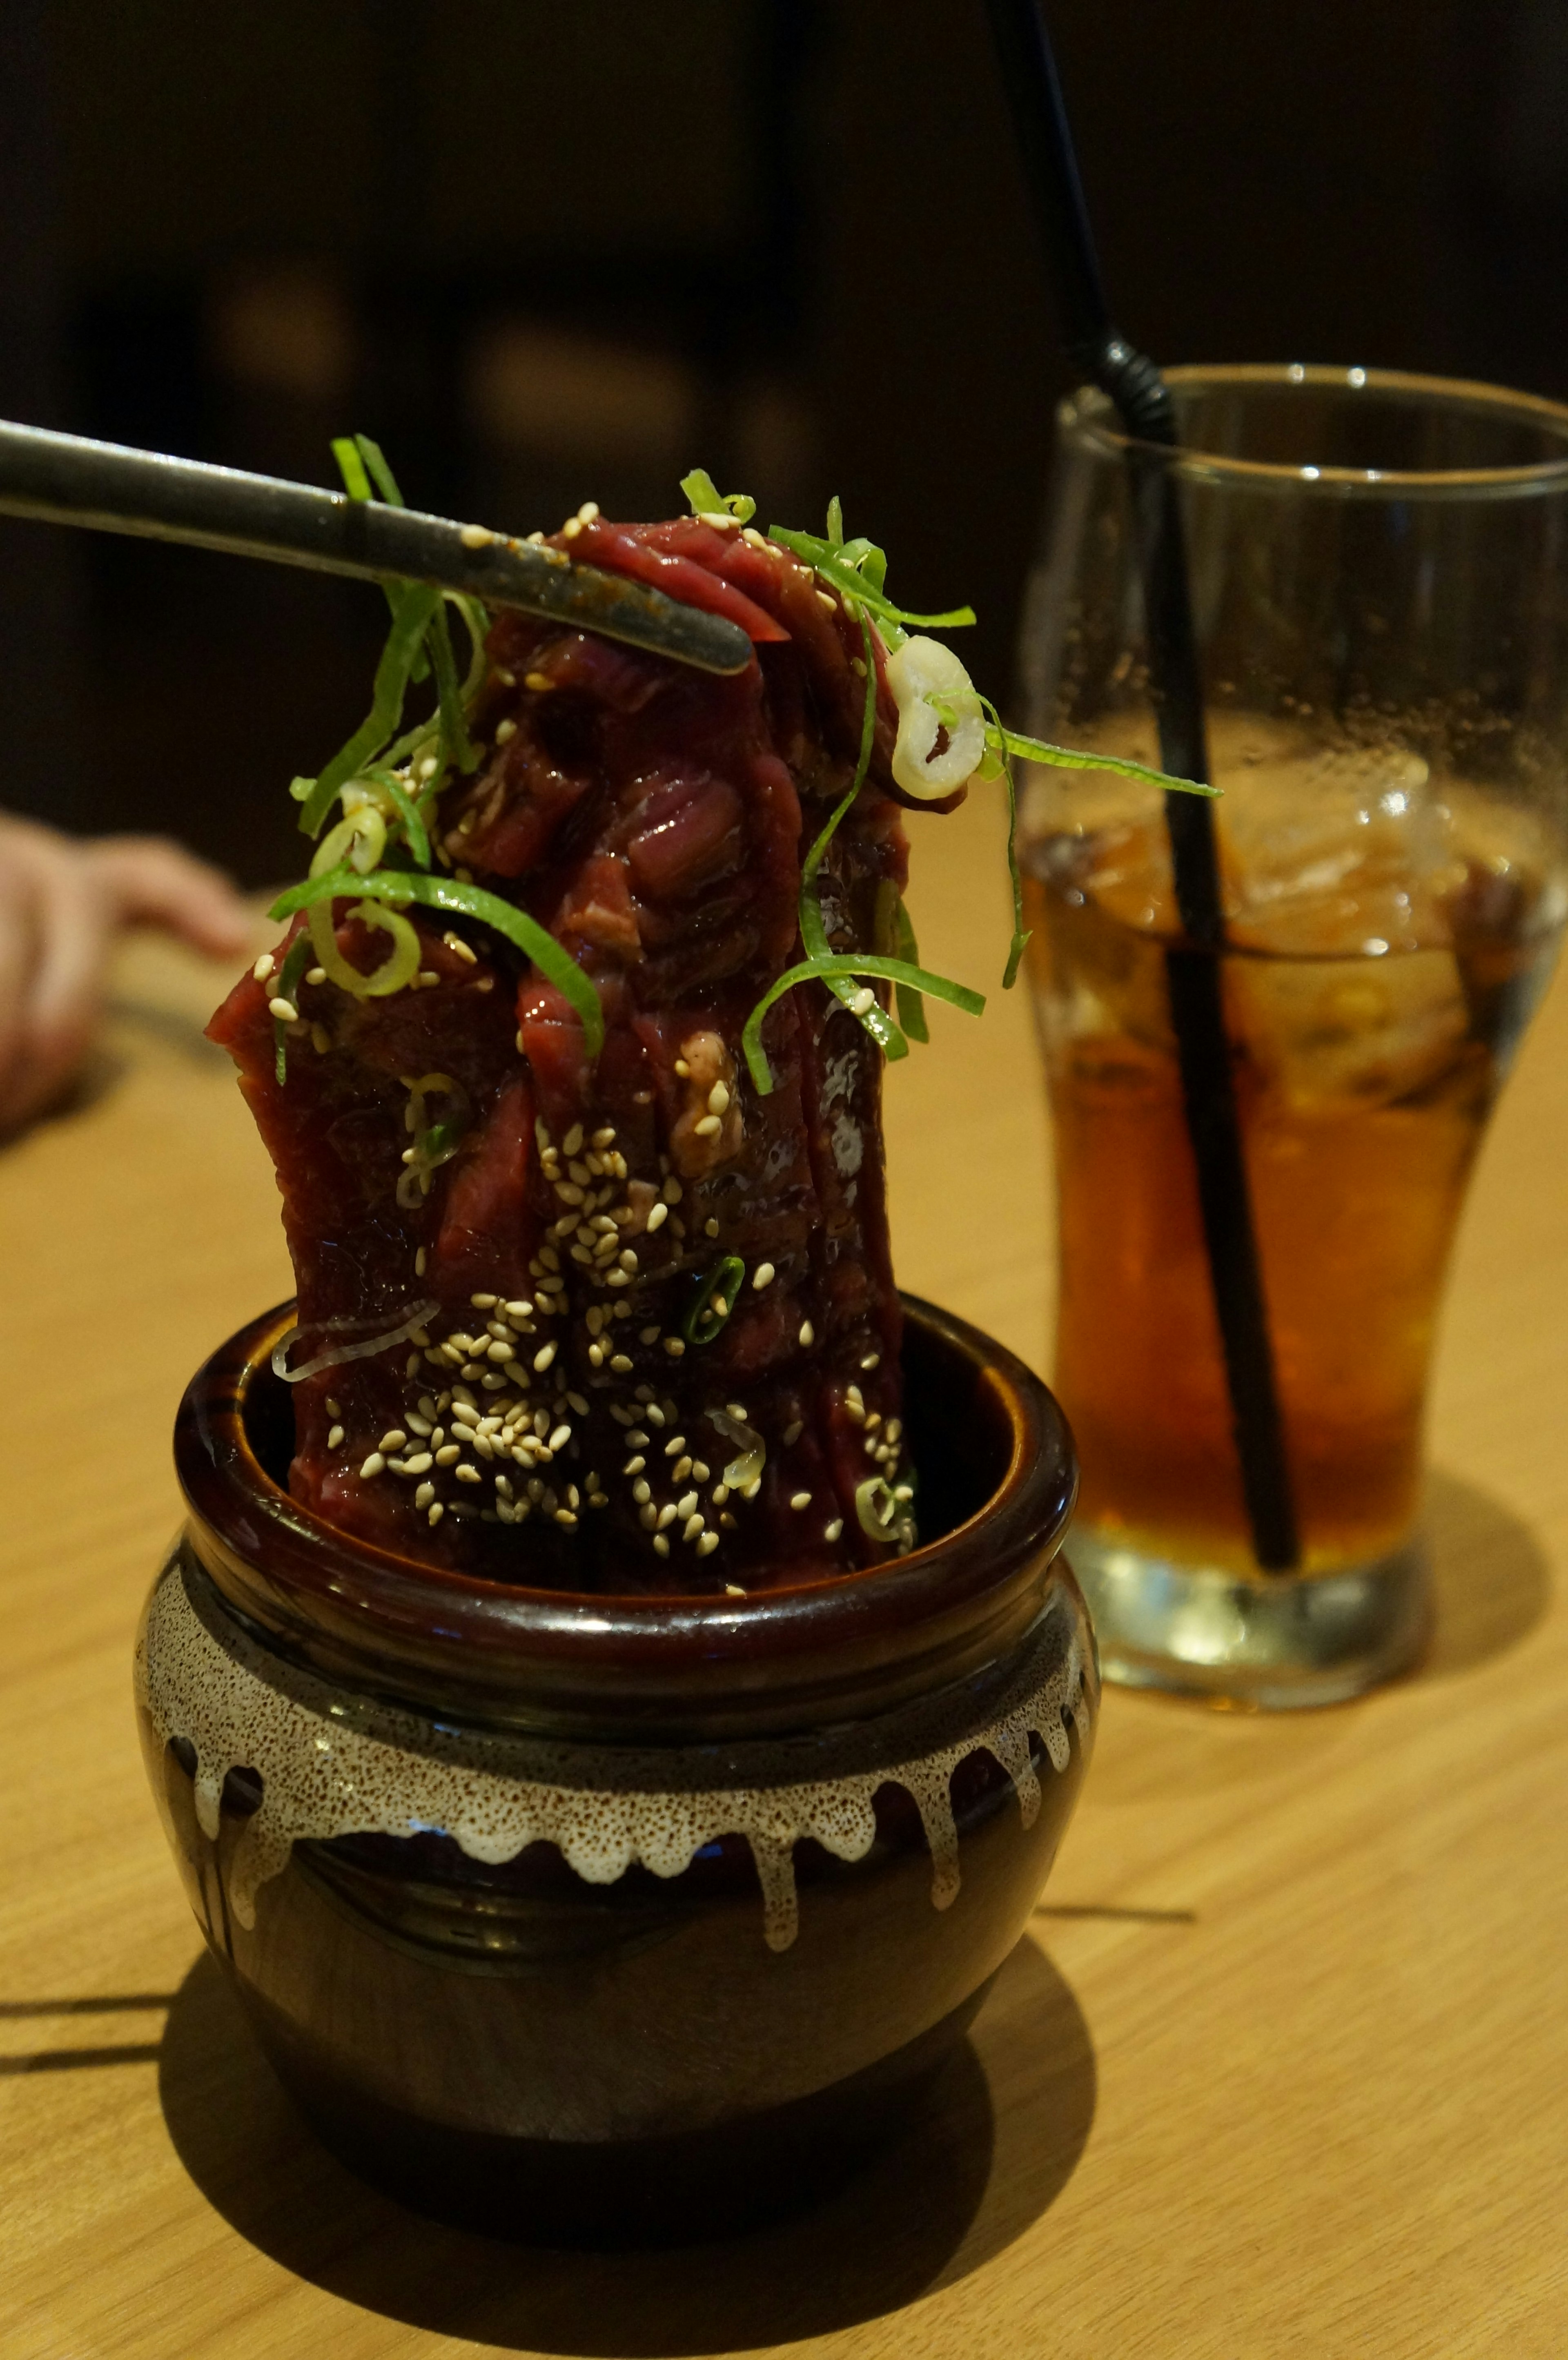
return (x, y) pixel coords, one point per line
(607, 1919)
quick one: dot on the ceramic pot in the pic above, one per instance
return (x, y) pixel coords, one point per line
(610, 1920)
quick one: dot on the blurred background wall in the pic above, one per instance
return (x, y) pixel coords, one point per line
(553, 249)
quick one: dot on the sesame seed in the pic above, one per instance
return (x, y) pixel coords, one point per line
(263, 967)
(686, 1505)
(657, 1217)
(862, 1003)
(419, 1259)
(749, 533)
(750, 1491)
(334, 1437)
(682, 1470)
(464, 950)
(577, 1402)
(571, 528)
(448, 1454)
(620, 1363)
(435, 1512)
(762, 1275)
(661, 1545)
(596, 1356)
(587, 512)
(648, 1335)
(538, 682)
(691, 1527)
(476, 536)
(572, 1142)
(711, 1226)
(647, 1515)
(807, 1333)
(707, 1542)
(666, 1515)
(683, 1069)
(543, 1358)
(627, 1259)
(560, 1438)
(832, 1532)
(424, 1495)
(718, 1099)
(284, 1009)
(708, 1127)
(419, 1463)
(393, 1439)
(800, 1499)
(673, 1191)
(564, 1517)
(792, 1434)
(674, 1347)
(825, 599)
(469, 1475)
(720, 1493)
(505, 731)
(641, 1491)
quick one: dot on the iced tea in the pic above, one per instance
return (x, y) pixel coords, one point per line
(1388, 936)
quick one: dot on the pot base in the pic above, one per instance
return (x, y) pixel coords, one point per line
(681, 2190)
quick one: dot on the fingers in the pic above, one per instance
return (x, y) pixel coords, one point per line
(73, 927)
(18, 934)
(154, 882)
(61, 905)
(62, 917)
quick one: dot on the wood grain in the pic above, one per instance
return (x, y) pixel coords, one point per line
(1283, 2068)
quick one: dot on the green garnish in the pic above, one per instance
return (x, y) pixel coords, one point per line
(813, 934)
(857, 569)
(708, 500)
(714, 1301)
(853, 963)
(299, 956)
(400, 887)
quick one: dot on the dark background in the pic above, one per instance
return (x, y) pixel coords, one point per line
(553, 249)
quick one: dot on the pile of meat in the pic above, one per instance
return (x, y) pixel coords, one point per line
(645, 1334)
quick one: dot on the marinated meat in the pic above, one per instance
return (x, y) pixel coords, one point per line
(646, 1336)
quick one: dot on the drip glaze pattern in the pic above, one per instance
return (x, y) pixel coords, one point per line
(332, 1765)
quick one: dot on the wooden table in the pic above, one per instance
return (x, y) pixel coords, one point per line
(1282, 2069)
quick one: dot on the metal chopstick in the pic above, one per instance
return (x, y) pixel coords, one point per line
(68, 480)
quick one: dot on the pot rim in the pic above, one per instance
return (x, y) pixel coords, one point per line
(692, 1665)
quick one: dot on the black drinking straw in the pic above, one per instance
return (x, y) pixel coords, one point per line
(1143, 403)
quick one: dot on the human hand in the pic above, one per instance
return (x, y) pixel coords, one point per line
(63, 903)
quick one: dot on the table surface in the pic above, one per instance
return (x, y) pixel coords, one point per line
(1281, 2067)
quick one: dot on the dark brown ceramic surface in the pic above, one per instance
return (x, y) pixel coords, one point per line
(511, 2044)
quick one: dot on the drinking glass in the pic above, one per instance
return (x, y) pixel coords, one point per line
(1378, 570)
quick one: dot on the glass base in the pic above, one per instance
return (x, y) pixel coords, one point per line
(1274, 1643)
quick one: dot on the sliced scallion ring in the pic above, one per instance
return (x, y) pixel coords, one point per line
(714, 1301)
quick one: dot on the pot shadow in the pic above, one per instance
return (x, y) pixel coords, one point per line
(994, 2144)
(1491, 1580)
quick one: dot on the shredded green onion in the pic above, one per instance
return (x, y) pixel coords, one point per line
(404, 642)
(855, 963)
(708, 500)
(846, 576)
(400, 887)
(297, 959)
(714, 1301)
(1071, 757)
(814, 934)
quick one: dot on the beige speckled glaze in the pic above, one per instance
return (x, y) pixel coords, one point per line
(333, 1765)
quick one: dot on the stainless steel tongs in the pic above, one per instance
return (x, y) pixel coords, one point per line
(67, 479)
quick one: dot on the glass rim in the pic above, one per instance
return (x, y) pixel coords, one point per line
(1087, 416)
